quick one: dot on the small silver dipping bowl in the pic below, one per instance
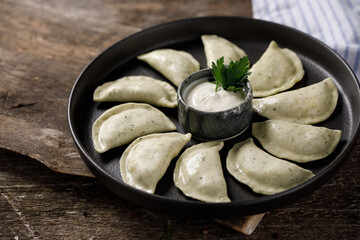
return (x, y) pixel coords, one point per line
(211, 126)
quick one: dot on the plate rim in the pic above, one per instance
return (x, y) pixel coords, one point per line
(309, 186)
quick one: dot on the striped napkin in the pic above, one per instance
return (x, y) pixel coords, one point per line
(335, 22)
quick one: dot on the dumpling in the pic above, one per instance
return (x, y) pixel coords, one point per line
(262, 172)
(173, 64)
(277, 70)
(137, 89)
(297, 142)
(123, 123)
(198, 173)
(145, 160)
(216, 47)
(307, 105)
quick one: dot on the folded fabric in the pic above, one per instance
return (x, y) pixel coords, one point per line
(335, 22)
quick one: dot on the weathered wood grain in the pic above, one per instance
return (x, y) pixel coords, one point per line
(43, 48)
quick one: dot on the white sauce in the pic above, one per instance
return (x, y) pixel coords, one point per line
(202, 96)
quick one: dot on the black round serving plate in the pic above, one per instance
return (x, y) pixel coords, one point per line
(253, 36)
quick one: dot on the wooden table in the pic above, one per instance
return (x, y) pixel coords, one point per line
(44, 45)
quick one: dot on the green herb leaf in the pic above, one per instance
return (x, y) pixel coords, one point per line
(219, 72)
(232, 77)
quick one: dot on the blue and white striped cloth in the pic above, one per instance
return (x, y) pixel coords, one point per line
(335, 22)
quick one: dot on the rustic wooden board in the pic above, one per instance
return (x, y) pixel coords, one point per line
(45, 45)
(40, 60)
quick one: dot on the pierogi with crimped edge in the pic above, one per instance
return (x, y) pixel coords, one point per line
(307, 105)
(216, 47)
(296, 142)
(175, 65)
(262, 172)
(122, 124)
(137, 89)
(278, 69)
(198, 173)
(145, 160)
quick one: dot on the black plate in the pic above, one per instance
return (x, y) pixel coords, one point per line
(251, 35)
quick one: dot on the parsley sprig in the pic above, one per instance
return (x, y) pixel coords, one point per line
(232, 77)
